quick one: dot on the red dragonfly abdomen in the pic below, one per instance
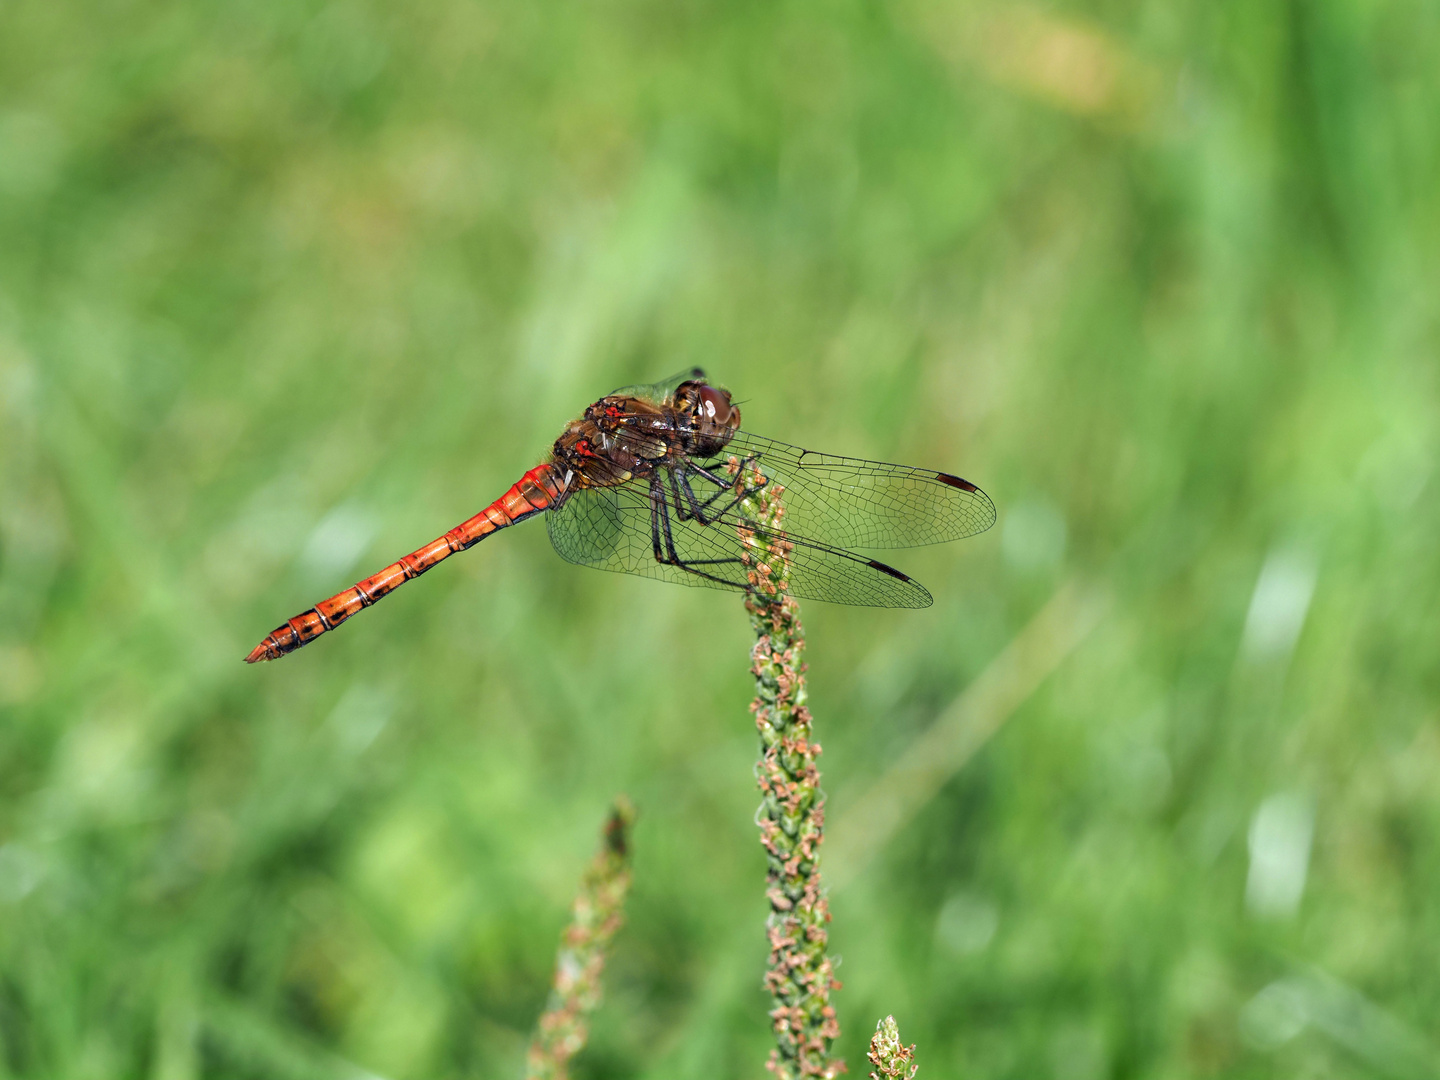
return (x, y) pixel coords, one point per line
(537, 490)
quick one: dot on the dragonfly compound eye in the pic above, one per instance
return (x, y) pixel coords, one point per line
(714, 405)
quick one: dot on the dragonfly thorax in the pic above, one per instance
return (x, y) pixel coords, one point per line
(622, 437)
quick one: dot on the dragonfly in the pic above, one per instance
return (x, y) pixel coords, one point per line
(655, 480)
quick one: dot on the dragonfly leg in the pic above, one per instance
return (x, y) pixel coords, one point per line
(657, 508)
(727, 483)
(664, 541)
(702, 511)
(680, 511)
(695, 511)
(691, 507)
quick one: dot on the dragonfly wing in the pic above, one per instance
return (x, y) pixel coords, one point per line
(589, 529)
(820, 572)
(849, 502)
(611, 529)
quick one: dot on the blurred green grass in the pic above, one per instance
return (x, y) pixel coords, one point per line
(287, 289)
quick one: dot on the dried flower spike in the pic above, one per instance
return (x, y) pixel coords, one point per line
(800, 976)
(889, 1055)
(596, 916)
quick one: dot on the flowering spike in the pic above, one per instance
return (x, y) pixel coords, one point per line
(889, 1055)
(800, 975)
(597, 914)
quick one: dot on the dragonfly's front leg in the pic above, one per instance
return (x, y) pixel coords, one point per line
(728, 482)
(703, 510)
(689, 507)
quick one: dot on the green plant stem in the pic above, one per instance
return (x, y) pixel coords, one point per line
(800, 975)
(597, 915)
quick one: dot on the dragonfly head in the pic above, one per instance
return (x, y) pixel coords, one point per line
(711, 418)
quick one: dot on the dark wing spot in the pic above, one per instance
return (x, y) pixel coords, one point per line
(955, 481)
(889, 570)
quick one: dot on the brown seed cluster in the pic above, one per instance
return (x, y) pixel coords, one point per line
(800, 975)
(893, 1060)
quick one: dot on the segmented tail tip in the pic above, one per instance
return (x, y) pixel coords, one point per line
(259, 653)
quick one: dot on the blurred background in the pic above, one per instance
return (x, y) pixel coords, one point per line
(290, 288)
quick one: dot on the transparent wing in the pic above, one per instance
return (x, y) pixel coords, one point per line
(849, 502)
(613, 528)
(610, 528)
